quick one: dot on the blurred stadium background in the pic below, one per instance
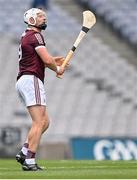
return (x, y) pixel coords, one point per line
(93, 109)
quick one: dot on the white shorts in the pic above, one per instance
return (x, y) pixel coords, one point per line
(31, 90)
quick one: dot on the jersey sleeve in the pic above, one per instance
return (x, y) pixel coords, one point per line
(38, 40)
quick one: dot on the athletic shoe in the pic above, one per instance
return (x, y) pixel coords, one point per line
(31, 167)
(20, 157)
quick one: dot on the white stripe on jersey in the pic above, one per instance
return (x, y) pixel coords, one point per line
(39, 38)
(39, 47)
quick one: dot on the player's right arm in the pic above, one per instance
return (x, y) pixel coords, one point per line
(48, 60)
(37, 41)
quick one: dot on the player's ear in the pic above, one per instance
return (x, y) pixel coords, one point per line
(32, 20)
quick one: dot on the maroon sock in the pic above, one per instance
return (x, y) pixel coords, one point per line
(26, 145)
(30, 155)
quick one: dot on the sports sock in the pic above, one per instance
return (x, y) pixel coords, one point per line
(25, 148)
(30, 158)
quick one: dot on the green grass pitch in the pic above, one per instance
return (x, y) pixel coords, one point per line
(71, 169)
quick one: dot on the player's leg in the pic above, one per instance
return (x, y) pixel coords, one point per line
(40, 123)
(45, 126)
(31, 91)
(21, 156)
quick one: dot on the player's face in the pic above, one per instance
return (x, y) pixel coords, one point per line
(41, 18)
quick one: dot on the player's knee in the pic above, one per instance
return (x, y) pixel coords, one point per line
(45, 123)
(42, 123)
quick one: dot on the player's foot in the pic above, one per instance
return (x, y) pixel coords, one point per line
(20, 157)
(31, 167)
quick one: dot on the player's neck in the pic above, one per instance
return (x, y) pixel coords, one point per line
(34, 29)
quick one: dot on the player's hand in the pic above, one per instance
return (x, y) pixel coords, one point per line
(59, 60)
(60, 70)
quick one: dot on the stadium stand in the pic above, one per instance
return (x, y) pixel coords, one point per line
(96, 97)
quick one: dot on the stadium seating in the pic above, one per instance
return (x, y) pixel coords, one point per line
(96, 97)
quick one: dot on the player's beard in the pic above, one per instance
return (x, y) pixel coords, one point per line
(42, 26)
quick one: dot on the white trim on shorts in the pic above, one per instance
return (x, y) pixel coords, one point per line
(31, 90)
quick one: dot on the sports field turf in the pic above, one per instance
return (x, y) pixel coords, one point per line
(69, 169)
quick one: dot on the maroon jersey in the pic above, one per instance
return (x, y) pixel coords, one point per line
(29, 61)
